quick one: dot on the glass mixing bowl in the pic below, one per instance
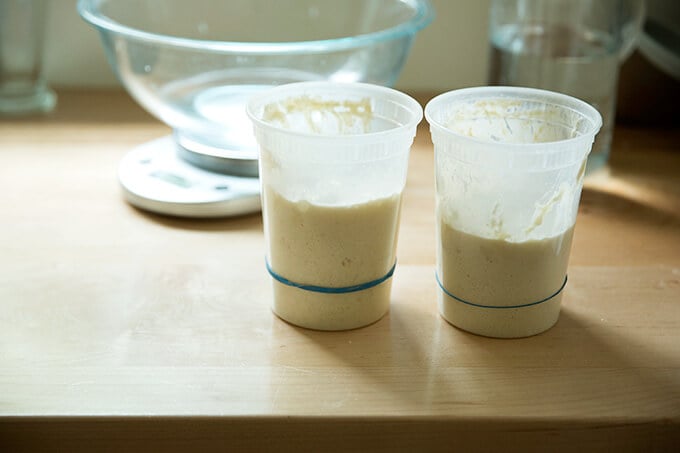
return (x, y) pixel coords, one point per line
(193, 64)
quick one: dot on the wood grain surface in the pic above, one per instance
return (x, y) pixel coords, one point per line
(122, 330)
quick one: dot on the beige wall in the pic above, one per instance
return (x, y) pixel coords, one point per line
(450, 53)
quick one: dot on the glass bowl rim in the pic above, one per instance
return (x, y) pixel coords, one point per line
(424, 14)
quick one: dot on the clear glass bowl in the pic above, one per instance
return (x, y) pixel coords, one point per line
(193, 64)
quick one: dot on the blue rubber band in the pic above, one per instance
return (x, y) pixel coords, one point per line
(330, 290)
(500, 306)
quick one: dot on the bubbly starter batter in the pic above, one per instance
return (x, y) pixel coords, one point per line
(331, 246)
(498, 272)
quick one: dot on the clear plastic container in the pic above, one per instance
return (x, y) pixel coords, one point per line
(509, 166)
(333, 164)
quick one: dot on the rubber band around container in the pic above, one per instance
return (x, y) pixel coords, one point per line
(500, 306)
(328, 289)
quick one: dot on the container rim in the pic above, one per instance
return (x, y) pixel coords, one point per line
(581, 108)
(90, 11)
(259, 101)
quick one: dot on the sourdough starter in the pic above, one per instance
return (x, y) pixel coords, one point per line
(497, 272)
(331, 246)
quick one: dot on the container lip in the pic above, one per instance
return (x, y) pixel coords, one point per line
(258, 101)
(91, 12)
(582, 108)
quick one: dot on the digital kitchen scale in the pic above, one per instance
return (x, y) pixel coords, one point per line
(156, 179)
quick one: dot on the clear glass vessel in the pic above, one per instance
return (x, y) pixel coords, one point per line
(195, 64)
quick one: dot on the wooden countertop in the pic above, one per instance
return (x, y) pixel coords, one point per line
(123, 330)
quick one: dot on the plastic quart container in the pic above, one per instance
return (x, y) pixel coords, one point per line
(509, 168)
(333, 164)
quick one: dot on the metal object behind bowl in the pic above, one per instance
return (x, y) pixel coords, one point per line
(228, 162)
